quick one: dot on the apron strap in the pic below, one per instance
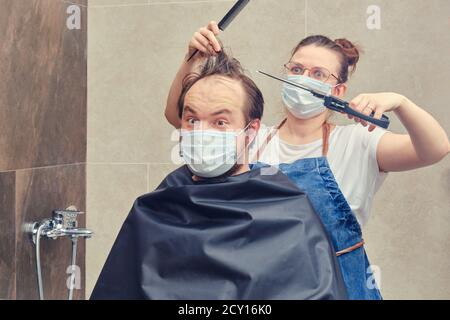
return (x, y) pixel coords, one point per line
(350, 249)
(326, 130)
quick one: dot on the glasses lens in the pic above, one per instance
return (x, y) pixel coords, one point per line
(294, 68)
(320, 74)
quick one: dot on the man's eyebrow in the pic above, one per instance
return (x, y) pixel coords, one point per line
(221, 112)
(189, 109)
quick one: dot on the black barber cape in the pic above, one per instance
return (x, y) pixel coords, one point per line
(249, 236)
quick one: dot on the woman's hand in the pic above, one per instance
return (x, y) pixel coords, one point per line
(205, 41)
(425, 144)
(375, 102)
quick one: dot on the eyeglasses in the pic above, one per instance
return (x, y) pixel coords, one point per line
(317, 73)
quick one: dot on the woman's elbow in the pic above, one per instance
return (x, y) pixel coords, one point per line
(446, 150)
(433, 156)
(442, 153)
(172, 118)
(168, 116)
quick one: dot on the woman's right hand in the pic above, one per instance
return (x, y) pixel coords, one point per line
(205, 41)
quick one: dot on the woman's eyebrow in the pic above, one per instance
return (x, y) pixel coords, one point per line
(296, 62)
(301, 64)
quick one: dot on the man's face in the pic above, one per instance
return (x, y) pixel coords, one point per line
(218, 103)
(214, 103)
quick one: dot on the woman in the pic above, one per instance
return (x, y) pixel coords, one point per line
(339, 167)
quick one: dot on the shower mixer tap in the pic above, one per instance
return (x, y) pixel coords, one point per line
(62, 224)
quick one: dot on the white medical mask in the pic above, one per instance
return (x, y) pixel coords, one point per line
(209, 153)
(301, 103)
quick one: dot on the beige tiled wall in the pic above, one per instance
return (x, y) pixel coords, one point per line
(136, 46)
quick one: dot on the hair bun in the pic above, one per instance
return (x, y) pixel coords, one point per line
(351, 52)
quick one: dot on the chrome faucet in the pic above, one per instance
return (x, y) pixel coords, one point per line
(62, 224)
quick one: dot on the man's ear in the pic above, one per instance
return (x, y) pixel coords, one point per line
(252, 130)
(340, 90)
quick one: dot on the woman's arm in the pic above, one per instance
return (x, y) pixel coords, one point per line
(205, 41)
(425, 144)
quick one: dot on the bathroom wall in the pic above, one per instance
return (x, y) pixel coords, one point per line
(136, 46)
(42, 139)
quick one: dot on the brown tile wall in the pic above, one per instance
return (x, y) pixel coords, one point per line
(42, 140)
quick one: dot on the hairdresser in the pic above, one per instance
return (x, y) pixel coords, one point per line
(340, 167)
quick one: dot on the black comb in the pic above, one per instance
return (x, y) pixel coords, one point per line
(229, 17)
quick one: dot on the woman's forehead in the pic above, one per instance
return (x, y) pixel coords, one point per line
(314, 56)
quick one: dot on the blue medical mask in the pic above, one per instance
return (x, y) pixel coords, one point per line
(209, 153)
(301, 103)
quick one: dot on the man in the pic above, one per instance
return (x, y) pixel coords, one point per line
(214, 229)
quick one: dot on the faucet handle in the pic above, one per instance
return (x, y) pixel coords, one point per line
(66, 219)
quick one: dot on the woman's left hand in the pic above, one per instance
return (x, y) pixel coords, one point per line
(375, 102)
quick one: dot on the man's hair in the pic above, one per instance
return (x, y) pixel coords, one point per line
(226, 66)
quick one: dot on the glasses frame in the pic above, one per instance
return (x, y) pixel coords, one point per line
(310, 69)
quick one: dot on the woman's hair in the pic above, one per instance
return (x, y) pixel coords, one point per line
(226, 66)
(348, 52)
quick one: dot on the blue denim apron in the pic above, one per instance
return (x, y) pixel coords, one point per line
(314, 176)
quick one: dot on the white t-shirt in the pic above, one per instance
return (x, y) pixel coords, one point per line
(351, 155)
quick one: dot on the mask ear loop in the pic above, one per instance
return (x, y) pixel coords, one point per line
(246, 144)
(180, 138)
(336, 85)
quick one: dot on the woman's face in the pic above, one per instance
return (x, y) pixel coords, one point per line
(313, 56)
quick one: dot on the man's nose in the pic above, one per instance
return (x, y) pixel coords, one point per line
(202, 125)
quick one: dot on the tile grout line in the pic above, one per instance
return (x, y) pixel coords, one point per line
(148, 3)
(74, 3)
(16, 236)
(148, 178)
(306, 18)
(44, 167)
(131, 163)
(87, 163)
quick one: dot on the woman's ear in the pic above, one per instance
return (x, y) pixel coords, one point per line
(340, 90)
